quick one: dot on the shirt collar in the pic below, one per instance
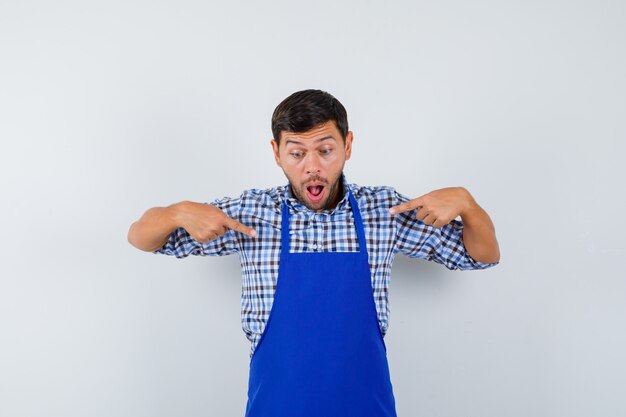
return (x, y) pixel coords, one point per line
(296, 205)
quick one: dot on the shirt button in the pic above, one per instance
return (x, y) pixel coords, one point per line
(313, 247)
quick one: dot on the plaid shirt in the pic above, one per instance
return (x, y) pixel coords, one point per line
(329, 230)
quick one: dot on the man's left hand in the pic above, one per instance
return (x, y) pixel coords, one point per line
(438, 207)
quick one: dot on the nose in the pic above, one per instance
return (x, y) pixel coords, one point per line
(312, 164)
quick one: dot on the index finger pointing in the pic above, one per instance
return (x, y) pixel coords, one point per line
(401, 208)
(407, 205)
(241, 228)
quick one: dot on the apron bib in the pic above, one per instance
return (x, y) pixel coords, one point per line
(321, 353)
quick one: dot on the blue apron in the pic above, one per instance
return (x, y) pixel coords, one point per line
(321, 353)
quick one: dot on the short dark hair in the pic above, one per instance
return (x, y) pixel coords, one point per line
(303, 110)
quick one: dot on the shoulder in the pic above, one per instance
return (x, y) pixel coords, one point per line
(263, 198)
(374, 195)
(374, 202)
(252, 201)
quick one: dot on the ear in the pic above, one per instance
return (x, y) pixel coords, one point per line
(349, 138)
(275, 149)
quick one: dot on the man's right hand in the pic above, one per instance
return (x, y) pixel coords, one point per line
(205, 222)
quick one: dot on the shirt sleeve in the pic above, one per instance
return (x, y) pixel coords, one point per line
(444, 245)
(181, 244)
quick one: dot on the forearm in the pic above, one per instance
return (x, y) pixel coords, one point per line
(479, 235)
(153, 229)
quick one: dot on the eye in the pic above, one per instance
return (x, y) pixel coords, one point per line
(297, 155)
(326, 151)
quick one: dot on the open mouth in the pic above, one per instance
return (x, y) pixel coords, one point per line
(315, 193)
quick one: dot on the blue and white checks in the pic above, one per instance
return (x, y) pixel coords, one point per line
(329, 230)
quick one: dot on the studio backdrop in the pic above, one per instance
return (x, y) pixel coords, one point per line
(110, 108)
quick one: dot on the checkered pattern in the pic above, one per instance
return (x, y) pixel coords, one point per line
(329, 230)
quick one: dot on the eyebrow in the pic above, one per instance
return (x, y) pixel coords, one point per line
(316, 140)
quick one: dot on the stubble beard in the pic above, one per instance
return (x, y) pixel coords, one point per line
(333, 192)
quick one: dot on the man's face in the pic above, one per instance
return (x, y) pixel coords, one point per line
(313, 162)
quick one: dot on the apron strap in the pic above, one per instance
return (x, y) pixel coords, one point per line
(284, 231)
(358, 222)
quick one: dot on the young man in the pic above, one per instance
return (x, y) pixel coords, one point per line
(316, 258)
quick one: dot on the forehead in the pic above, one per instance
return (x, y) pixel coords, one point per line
(326, 131)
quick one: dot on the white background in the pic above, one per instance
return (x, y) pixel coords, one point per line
(110, 108)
